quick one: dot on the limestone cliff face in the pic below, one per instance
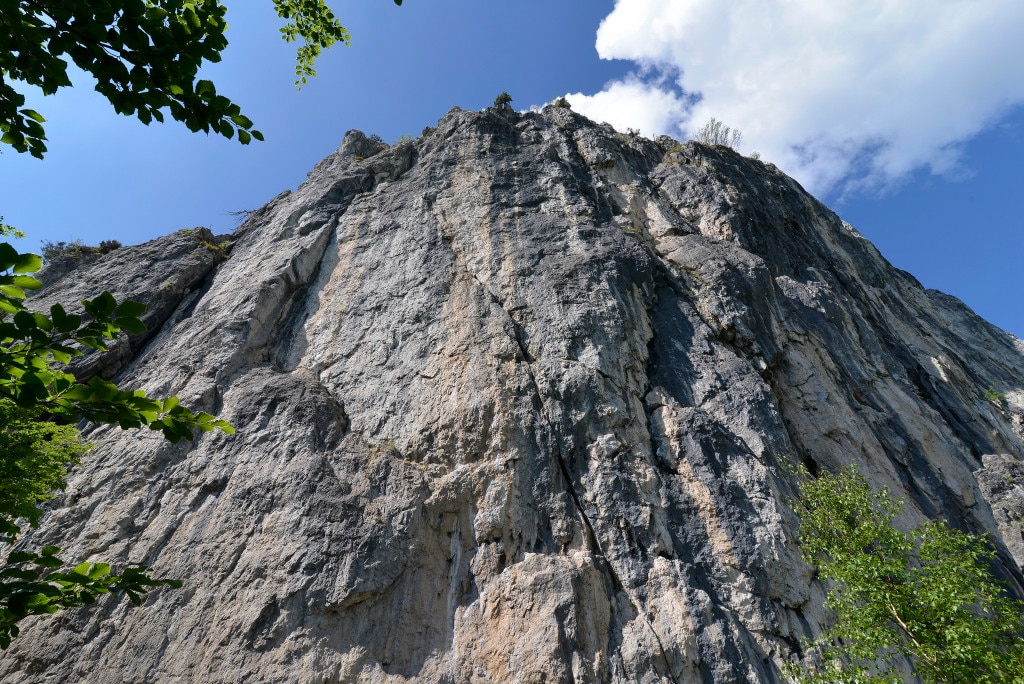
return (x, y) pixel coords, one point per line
(515, 403)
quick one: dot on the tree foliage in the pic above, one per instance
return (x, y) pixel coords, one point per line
(926, 596)
(145, 56)
(33, 584)
(10, 231)
(714, 132)
(32, 344)
(314, 23)
(34, 455)
(35, 450)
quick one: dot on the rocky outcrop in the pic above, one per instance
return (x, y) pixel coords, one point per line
(166, 275)
(1002, 485)
(517, 402)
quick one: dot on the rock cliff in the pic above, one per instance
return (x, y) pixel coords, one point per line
(515, 402)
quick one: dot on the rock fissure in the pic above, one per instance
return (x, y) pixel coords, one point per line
(592, 540)
(617, 587)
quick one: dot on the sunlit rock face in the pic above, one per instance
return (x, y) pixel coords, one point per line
(516, 401)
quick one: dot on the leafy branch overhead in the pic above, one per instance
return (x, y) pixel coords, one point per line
(314, 23)
(33, 584)
(35, 451)
(31, 344)
(145, 56)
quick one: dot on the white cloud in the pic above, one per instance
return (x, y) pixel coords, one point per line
(840, 94)
(632, 104)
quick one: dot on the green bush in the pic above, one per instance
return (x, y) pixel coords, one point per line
(76, 249)
(925, 596)
(378, 144)
(34, 456)
(994, 394)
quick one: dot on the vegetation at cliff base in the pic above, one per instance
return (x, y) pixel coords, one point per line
(34, 456)
(926, 596)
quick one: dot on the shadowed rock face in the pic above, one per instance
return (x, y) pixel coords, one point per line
(515, 403)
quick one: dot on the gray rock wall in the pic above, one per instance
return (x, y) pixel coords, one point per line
(516, 402)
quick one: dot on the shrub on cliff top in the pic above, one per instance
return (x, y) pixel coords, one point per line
(714, 132)
(76, 249)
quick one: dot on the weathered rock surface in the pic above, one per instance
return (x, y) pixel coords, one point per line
(515, 403)
(1002, 485)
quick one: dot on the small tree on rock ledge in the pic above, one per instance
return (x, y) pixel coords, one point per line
(714, 132)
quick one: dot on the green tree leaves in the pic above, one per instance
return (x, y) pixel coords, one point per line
(35, 452)
(34, 455)
(926, 595)
(313, 22)
(32, 584)
(9, 231)
(33, 344)
(145, 56)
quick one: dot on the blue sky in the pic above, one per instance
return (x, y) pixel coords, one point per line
(910, 128)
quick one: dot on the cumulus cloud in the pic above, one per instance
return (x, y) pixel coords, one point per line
(632, 103)
(843, 93)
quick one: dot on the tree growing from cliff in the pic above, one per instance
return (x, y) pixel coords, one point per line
(714, 132)
(926, 596)
(145, 56)
(35, 450)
